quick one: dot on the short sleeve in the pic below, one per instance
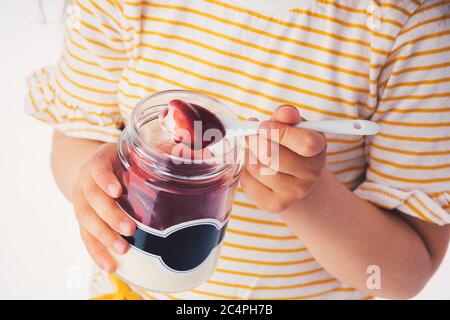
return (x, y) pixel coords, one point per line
(79, 96)
(409, 160)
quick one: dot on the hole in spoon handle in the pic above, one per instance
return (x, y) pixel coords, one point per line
(351, 127)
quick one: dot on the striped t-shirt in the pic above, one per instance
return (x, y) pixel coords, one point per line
(383, 60)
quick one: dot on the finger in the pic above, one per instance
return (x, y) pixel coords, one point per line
(257, 192)
(304, 142)
(287, 114)
(282, 159)
(97, 251)
(102, 167)
(90, 221)
(284, 185)
(107, 209)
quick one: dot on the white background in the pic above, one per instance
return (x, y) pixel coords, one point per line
(41, 255)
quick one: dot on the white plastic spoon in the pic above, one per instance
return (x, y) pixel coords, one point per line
(350, 127)
(180, 118)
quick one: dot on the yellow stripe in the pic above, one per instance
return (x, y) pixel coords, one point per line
(251, 76)
(409, 152)
(421, 68)
(417, 83)
(415, 124)
(260, 235)
(395, 7)
(412, 110)
(415, 139)
(69, 107)
(432, 6)
(90, 26)
(345, 160)
(410, 166)
(359, 11)
(334, 153)
(116, 4)
(436, 19)
(107, 26)
(354, 168)
(93, 76)
(343, 23)
(97, 131)
(400, 200)
(97, 55)
(172, 297)
(250, 248)
(216, 95)
(257, 288)
(103, 45)
(268, 263)
(407, 180)
(418, 212)
(419, 39)
(438, 194)
(99, 114)
(108, 105)
(257, 92)
(270, 276)
(413, 55)
(309, 296)
(72, 55)
(345, 141)
(255, 46)
(246, 27)
(424, 206)
(258, 221)
(417, 97)
(148, 295)
(109, 124)
(298, 26)
(216, 295)
(131, 96)
(33, 102)
(151, 90)
(244, 204)
(227, 98)
(87, 88)
(99, 8)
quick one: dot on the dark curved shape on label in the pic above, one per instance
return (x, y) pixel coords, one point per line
(183, 249)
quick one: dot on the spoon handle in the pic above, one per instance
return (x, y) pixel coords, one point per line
(352, 127)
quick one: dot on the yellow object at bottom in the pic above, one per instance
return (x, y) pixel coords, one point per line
(123, 291)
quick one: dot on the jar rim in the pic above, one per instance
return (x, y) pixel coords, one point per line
(146, 149)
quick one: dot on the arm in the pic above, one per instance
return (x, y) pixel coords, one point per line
(84, 171)
(344, 233)
(67, 157)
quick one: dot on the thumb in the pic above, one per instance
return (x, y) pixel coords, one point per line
(287, 114)
(102, 169)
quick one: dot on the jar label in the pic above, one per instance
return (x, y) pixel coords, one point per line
(182, 247)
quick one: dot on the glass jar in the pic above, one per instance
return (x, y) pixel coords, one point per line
(180, 203)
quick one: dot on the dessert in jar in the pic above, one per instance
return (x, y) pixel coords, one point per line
(178, 188)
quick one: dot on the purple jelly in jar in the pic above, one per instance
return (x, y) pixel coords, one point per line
(179, 196)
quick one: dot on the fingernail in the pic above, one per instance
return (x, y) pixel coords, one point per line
(120, 246)
(286, 107)
(107, 267)
(113, 190)
(125, 227)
